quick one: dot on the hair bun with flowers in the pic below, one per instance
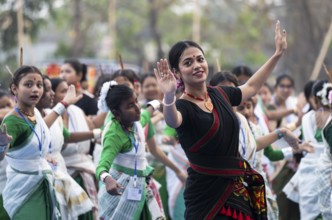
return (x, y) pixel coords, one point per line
(325, 94)
(102, 105)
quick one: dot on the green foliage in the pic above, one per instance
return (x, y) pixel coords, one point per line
(231, 31)
(32, 22)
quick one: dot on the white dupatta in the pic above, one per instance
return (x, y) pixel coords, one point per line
(26, 168)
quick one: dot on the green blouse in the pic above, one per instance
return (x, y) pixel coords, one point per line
(116, 141)
(19, 130)
(145, 121)
(170, 131)
(272, 154)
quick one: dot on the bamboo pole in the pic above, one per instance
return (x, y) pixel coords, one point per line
(120, 61)
(218, 65)
(10, 72)
(21, 56)
(328, 73)
(20, 29)
(322, 54)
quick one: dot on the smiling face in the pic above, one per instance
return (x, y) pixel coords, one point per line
(48, 98)
(193, 68)
(29, 90)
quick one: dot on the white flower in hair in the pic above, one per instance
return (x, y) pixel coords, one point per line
(102, 105)
(323, 93)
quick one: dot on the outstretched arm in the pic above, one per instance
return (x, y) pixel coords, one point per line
(266, 140)
(167, 84)
(257, 80)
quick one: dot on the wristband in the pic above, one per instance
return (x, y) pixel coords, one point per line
(96, 133)
(170, 104)
(280, 135)
(59, 108)
(155, 104)
(64, 103)
(103, 176)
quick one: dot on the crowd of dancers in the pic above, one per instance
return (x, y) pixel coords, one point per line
(167, 144)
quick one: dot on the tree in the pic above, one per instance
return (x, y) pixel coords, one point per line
(307, 24)
(33, 21)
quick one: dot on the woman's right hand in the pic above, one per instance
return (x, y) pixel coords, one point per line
(71, 97)
(165, 78)
(112, 187)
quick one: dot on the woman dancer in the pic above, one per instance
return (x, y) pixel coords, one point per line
(214, 188)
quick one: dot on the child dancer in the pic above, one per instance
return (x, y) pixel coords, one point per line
(128, 192)
(28, 193)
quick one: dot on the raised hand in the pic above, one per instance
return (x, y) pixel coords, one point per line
(280, 40)
(165, 78)
(71, 97)
(5, 139)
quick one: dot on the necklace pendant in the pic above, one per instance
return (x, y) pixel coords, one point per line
(31, 118)
(208, 104)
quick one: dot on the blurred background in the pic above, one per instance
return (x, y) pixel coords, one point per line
(99, 32)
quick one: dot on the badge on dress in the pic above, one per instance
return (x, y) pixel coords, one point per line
(134, 193)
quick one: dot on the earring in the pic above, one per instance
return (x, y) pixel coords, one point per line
(15, 99)
(180, 84)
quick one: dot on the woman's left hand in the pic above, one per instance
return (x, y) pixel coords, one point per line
(280, 40)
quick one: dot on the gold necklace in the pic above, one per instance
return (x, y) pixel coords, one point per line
(207, 101)
(29, 116)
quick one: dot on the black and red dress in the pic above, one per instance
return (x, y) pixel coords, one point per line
(220, 183)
